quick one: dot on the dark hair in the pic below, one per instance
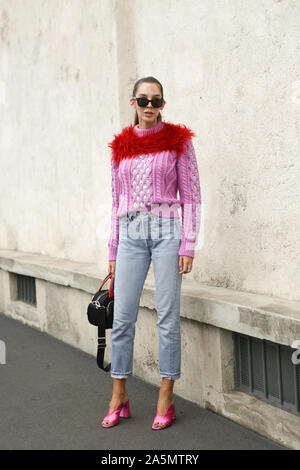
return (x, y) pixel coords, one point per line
(136, 85)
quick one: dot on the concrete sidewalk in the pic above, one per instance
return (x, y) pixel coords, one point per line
(54, 396)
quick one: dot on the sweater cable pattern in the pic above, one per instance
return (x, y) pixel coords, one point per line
(150, 182)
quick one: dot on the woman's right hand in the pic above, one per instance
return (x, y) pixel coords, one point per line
(112, 268)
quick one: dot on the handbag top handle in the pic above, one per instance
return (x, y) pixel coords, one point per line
(111, 285)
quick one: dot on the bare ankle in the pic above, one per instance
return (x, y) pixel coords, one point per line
(119, 395)
(166, 396)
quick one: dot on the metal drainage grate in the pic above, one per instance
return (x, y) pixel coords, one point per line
(265, 369)
(26, 289)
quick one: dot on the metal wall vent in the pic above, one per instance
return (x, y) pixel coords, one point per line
(266, 370)
(26, 289)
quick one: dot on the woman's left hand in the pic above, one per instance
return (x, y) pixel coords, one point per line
(185, 264)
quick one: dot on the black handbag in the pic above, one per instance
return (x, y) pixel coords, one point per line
(100, 313)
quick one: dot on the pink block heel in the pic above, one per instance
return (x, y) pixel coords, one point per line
(166, 419)
(125, 411)
(122, 411)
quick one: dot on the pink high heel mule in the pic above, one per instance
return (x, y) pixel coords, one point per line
(123, 411)
(166, 419)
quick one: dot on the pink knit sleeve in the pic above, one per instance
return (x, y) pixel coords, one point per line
(190, 199)
(114, 230)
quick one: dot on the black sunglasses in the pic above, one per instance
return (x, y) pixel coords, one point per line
(143, 102)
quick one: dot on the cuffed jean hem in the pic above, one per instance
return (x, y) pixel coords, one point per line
(120, 376)
(170, 376)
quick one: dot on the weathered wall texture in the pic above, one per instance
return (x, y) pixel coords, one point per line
(230, 71)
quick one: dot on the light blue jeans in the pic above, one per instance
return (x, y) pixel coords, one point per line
(145, 236)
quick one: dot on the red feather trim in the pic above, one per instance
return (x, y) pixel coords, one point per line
(171, 137)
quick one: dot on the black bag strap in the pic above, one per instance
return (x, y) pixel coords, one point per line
(101, 348)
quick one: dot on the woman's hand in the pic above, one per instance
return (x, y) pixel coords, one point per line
(185, 264)
(112, 268)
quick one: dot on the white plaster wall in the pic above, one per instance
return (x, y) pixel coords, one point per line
(230, 71)
(58, 69)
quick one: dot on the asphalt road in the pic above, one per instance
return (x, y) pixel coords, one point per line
(53, 396)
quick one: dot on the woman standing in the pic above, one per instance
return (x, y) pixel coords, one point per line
(151, 160)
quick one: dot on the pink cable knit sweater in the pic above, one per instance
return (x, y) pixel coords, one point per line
(150, 182)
